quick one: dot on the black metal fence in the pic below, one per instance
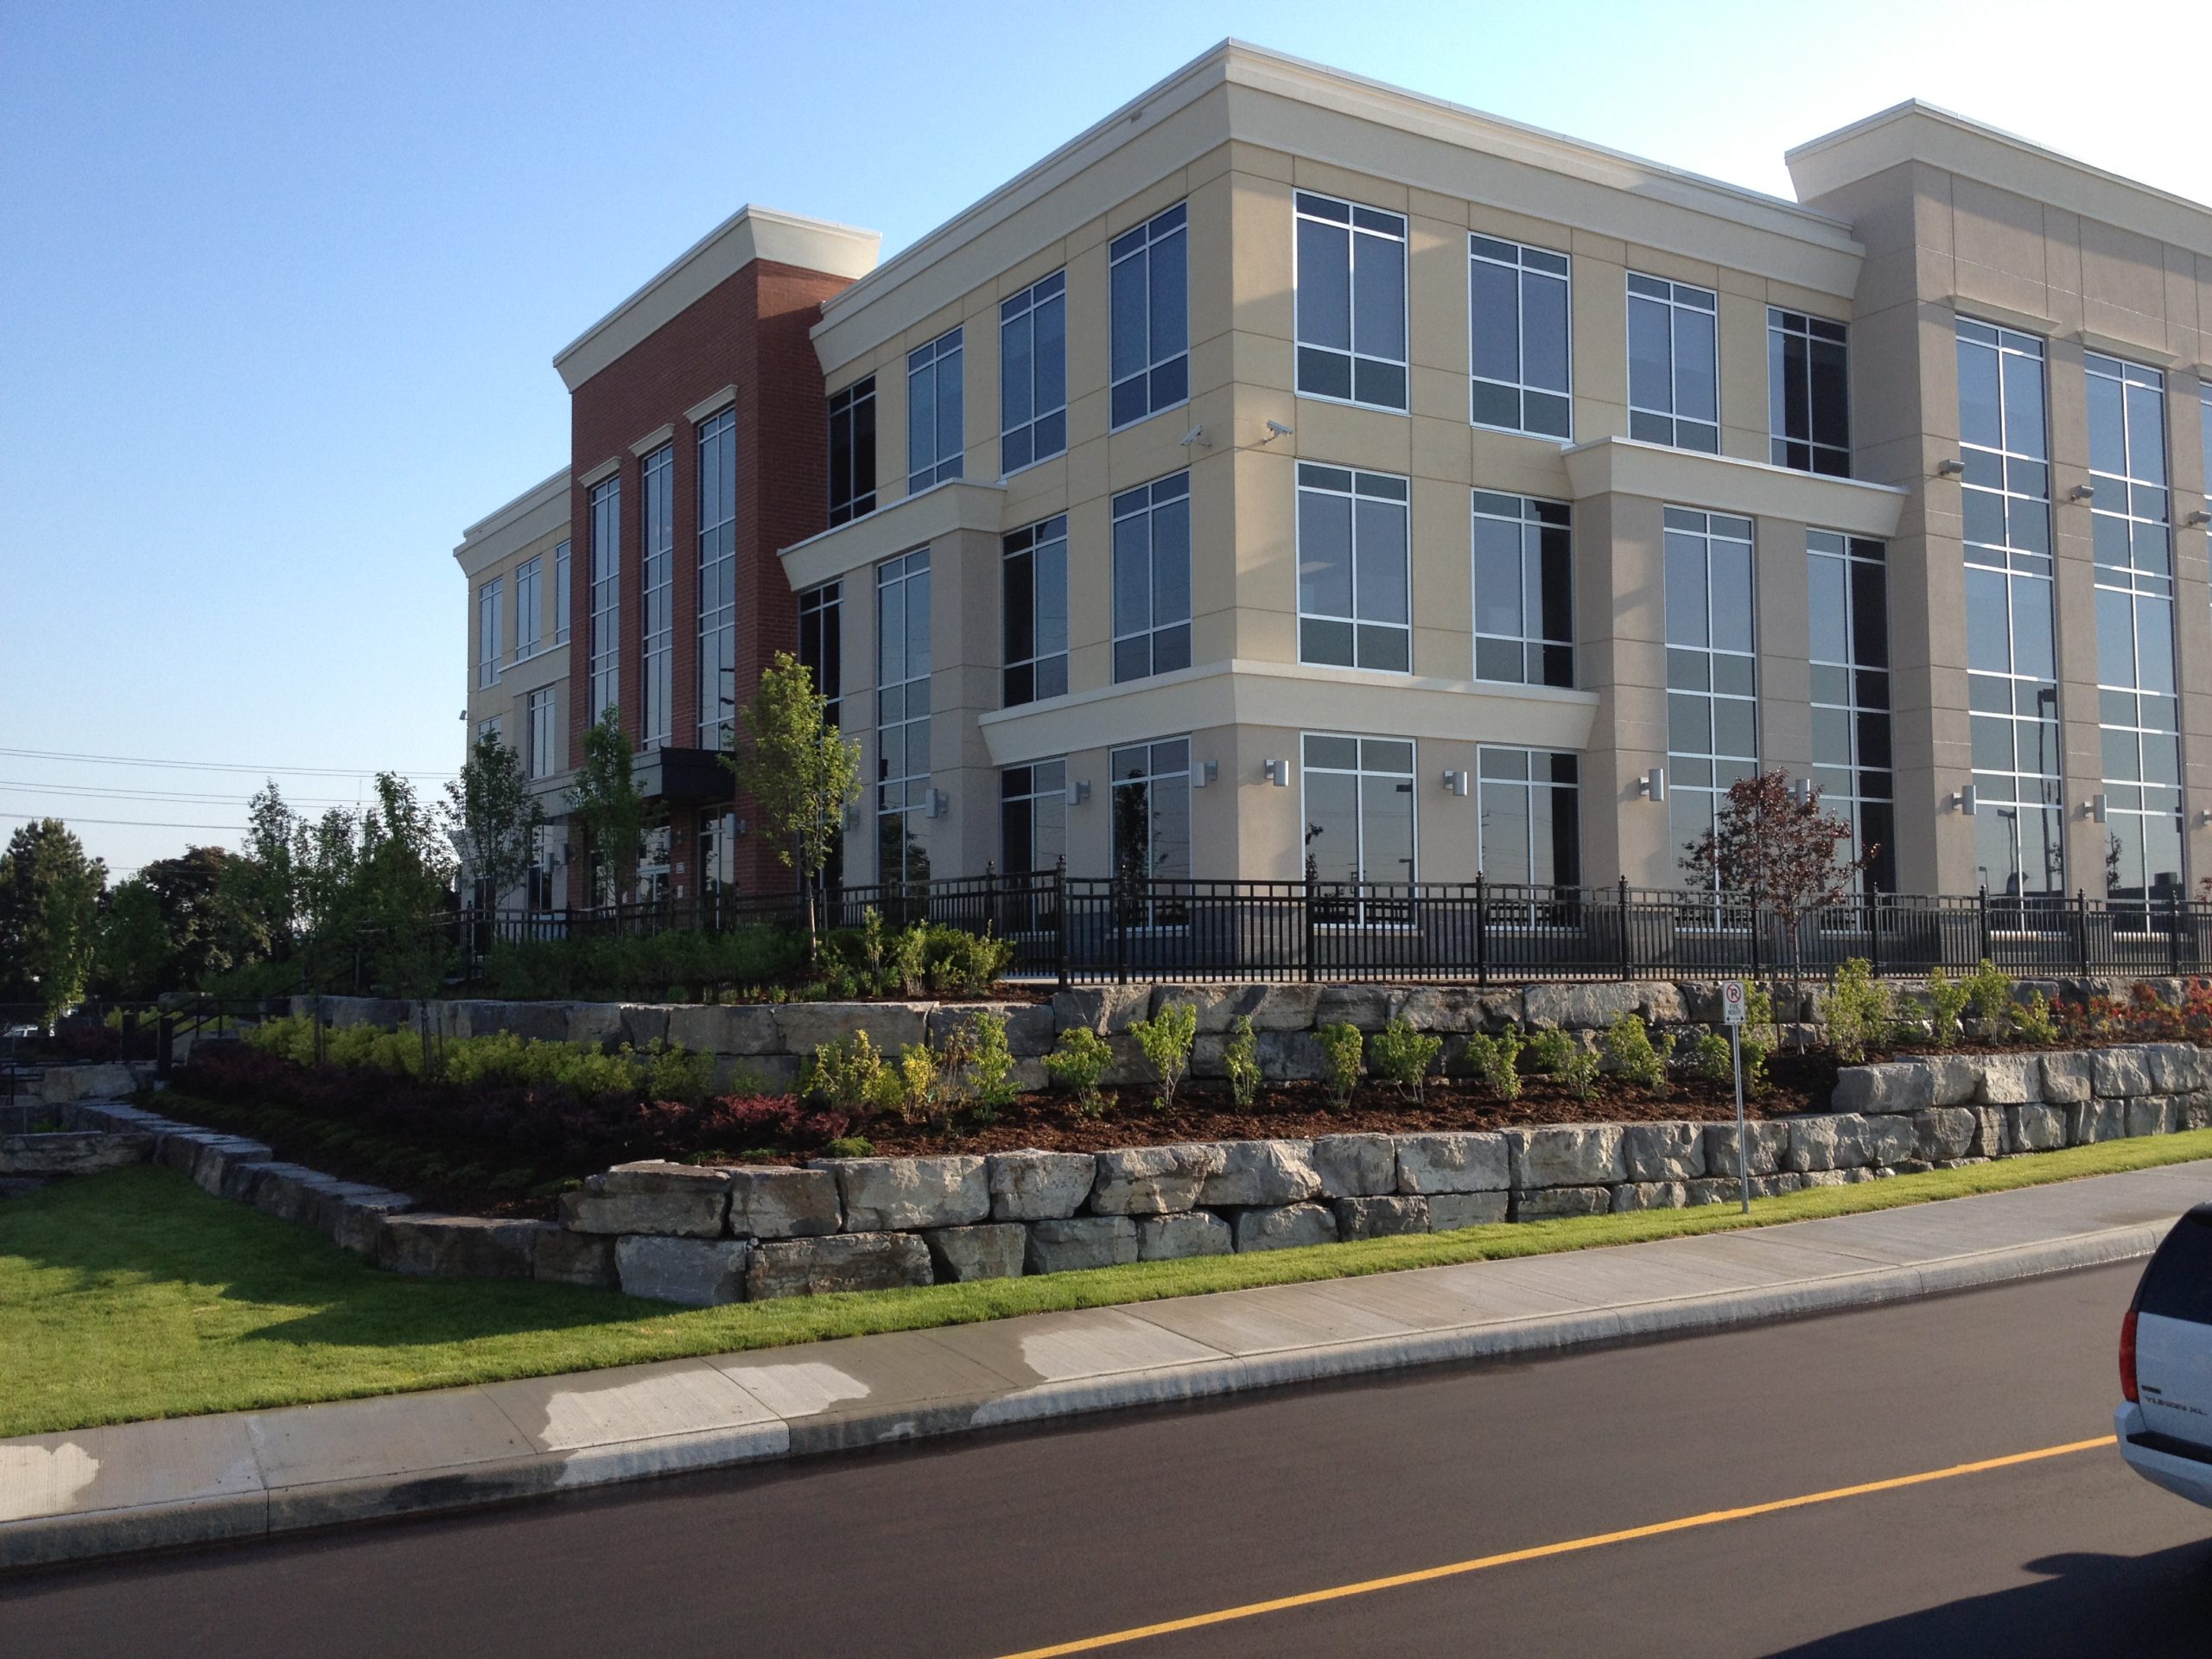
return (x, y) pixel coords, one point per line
(1075, 930)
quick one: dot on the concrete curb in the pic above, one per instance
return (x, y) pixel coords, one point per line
(278, 1507)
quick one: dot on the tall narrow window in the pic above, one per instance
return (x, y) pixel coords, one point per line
(530, 608)
(1674, 364)
(1524, 591)
(1151, 578)
(936, 416)
(1351, 302)
(852, 452)
(2138, 706)
(487, 633)
(1808, 403)
(1152, 819)
(1033, 373)
(822, 649)
(1148, 281)
(606, 661)
(1712, 735)
(1359, 808)
(538, 714)
(563, 602)
(1353, 538)
(1035, 578)
(1848, 588)
(902, 717)
(2011, 654)
(1528, 810)
(1033, 816)
(717, 520)
(657, 595)
(1517, 306)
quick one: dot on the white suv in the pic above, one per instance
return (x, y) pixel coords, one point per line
(2166, 1364)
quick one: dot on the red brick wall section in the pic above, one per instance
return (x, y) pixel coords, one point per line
(750, 332)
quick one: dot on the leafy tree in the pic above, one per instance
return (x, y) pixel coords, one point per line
(206, 935)
(603, 804)
(259, 890)
(798, 770)
(49, 895)
(496, 815)
(133, 954)
(403, 876)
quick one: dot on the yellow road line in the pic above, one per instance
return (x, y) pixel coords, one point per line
(1428, 1574)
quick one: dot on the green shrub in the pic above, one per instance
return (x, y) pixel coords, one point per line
(1341, 1050)
(1946, 1001)
(1497, 1061)
(851, 1076)
(1633, 1057)
(849, 1146)
(989, 1065)
(1860, 1011)
(1548, 1052)
(1580, 1074)
(659, 1070)
(1078, 1063)
(1240, 1057)
(1711, 1058)
(921, 1081)
(1404, 1056)
(1989, 993)
(1167, 1039)
(2034, 1020)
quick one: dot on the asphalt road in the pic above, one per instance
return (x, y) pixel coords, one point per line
(1006, 1542)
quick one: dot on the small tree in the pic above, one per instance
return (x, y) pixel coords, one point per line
(133, 953)
(49, 895)
(259, 890)
(496, 816)
(1779, 850)
(604, 803)
(798, 770)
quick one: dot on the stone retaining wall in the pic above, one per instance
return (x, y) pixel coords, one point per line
(704, 1234)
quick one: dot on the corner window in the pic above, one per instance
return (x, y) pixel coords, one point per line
(1352, 546)
(935, 439)
(1524, 590)
(1351, 302)
(1518, 316)
(1033, 374)
(1808, 403)
(487, 633)
(1359, 808)
(530, 608)
(1152, 820)
(1034, 575)
(1674, 364)
(1151, 578)
(1528, 817)
(1711, 672)
(852, 452)
(1148, 282)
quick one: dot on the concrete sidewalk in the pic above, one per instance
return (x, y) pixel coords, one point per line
(246, 1474)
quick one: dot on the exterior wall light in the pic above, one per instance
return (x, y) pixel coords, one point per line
(1278, 773)
(1455, 782)
(1653, 785)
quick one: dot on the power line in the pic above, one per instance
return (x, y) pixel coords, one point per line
(190, 797)
(140, 824)
(212, 765)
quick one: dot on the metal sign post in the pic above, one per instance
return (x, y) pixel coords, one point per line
(1732, 1012)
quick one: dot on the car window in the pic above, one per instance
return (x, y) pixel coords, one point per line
(2178, 1285)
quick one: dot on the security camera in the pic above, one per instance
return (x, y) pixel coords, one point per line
(1195, 434)
(1277, 429)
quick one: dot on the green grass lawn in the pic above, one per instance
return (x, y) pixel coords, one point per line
(135, 1295)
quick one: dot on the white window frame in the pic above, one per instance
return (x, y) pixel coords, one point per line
(932, 361)
(1354, 229)
(1309, 481)
(1675, 307)
(530, 608)
(1149, 236)
(1476, 255)
(488, 629)
(1022, 311)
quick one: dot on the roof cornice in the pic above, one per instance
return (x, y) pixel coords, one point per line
(501, 530)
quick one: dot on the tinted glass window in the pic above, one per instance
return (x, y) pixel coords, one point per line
(2178, 1285)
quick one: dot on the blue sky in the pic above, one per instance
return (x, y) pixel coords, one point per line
(280, 284)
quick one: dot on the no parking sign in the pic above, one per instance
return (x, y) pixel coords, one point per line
(1732, 1016)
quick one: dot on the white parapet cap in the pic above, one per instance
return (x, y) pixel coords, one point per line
(1280, 102)
(539, 510)
(749, 233)
(1915, 132)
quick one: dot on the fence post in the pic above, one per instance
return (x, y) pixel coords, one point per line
(1627, 951)
(1121, 932)
(2081, 930)
(1060, 894)
(1752, 931)
(165, 1036)
(990, 895)
(1313, 876)
(2173, 931)
(1873, 930)
(1482, 929)
(1983, 954)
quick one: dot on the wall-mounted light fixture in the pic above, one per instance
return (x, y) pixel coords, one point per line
(937, 804)
(2094, 809)
(1196, 436)
(1964, 800)
(1653, 785)
(1204, 773)
(1278, 771)
(1951, 468)
(1801, 791)
(1078, 791)
(1455, 782)
(852, 818)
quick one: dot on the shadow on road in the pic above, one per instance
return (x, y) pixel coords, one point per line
(2139, 1605)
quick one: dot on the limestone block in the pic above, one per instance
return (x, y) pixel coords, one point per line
(1650, 1195)
(1284, 1227)
(1029, 1029)
(2066, 1078)
(894, 1194)
(2010, 1079)
(1662, 1152)
(1261, 1173)
(1454, 1161)
(776, 1202)
(1109, 1010)
(1725, 1189)
(2153, 1115)
(2177, 1068)
(2037, 1128)
(652, 1196)
(1458, 1008)
(990, 1249)
(1567, 1154)
(1893, 1140)
(1954, 1079)
(1081, 1241)
(1289, 1056)
(360, 1221)
(1031, 1186)
(567, 1258)
(2197, 1110)
(644, 1024)
(1153, 1180)
(73, 1154)
(1945, 1132)
(730, 1028)
(596, 1023)
(1449, 1211)
(847, 1261)
(216, 1157)
(1992, 1132)
(461, 1247)
(2120, 1072)
(1768, 1145)
(2096, 1119)
(1356, 1165)
(1367, 1007)
(1895, 1086)
(1381, 1218)
(1832, 1140)
(804, 1027)
(1586, 1008)
(696, 1272)
(1540, 1203)
(1186, 1233)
